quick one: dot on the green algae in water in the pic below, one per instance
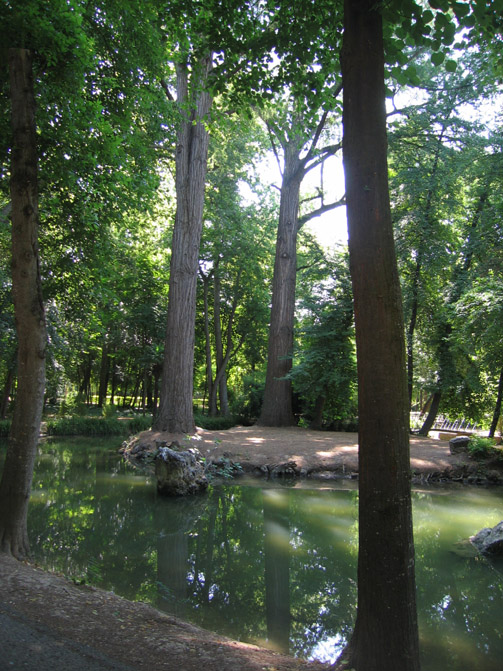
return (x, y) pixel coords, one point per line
(269, 565)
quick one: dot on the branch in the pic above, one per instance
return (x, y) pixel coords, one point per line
(320, 127)
(273, 145)
(329, 150)
(321, 210)
(168, 93)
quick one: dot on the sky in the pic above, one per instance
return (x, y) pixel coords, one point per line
(331, 227)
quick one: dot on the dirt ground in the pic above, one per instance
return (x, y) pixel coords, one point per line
(312, 454)
(49, 623)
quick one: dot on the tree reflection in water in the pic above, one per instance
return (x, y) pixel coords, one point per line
(273, 566)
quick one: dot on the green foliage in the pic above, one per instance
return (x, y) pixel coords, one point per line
(246, 407)
(324, 369)
(480, 447)
(223, 468)
(109, 411)
(96, 426)
(214, 423)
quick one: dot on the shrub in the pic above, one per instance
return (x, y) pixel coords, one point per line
(246, 408)
(214, 423)
(96, 426)
(109, 410)
(480, 447)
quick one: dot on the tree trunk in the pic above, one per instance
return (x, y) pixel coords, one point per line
(412, 327)
(175, 413)
(7, 388)
(317, 420)
(222, 355)
(104, 374)
(29, 312)
(432, 414)
(385, 634)
(85, 383)
(212, 400)
(277, 405)
(217, 332)
(497, 407)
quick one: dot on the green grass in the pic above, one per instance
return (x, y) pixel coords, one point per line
(77, 425)
(97, 426)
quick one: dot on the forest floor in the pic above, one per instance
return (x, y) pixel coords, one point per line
(48, 623)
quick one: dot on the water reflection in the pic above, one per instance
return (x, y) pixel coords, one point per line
(274, 566)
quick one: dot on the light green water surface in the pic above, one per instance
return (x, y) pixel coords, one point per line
(268, 565)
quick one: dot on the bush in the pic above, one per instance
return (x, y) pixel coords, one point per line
(96, 426)
(214, 423)
(246, 408)
(109, 411)
(483, 448)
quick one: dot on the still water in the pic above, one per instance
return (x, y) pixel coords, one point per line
(266, 565)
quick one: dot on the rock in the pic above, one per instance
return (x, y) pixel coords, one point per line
(459, 444)
(179, 472)
(489, 541)
(139, 450)
(288, 469)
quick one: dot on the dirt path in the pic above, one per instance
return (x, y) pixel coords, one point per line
(50, 624)
(314, 454)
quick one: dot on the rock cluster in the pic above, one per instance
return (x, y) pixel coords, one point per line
(179, 471)
(489, 541)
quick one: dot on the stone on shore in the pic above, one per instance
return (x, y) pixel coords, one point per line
(489, 541)
(179, 472)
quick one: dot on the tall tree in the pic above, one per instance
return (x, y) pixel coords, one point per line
(298, 135)
(385, 634)
(175, 413)
(29, 311)
(198, 36)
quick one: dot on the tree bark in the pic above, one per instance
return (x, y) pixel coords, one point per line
(497, 407)
(317, 420)
(29, 312)
(277, 404)
(432, 414)
(212, 401)
(104, 374)
(7, 388)
(385, 634)
(175, 413)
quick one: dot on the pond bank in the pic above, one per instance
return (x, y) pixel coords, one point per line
(51, 624)
(323, 455)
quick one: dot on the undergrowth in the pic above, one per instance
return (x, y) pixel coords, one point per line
(97, 426)
(481, 447)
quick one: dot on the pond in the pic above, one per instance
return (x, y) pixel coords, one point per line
(269, 565)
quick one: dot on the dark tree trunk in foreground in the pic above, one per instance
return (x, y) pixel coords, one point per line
(175, 413)
(385, 636)
(28, 310)
(277, 405)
